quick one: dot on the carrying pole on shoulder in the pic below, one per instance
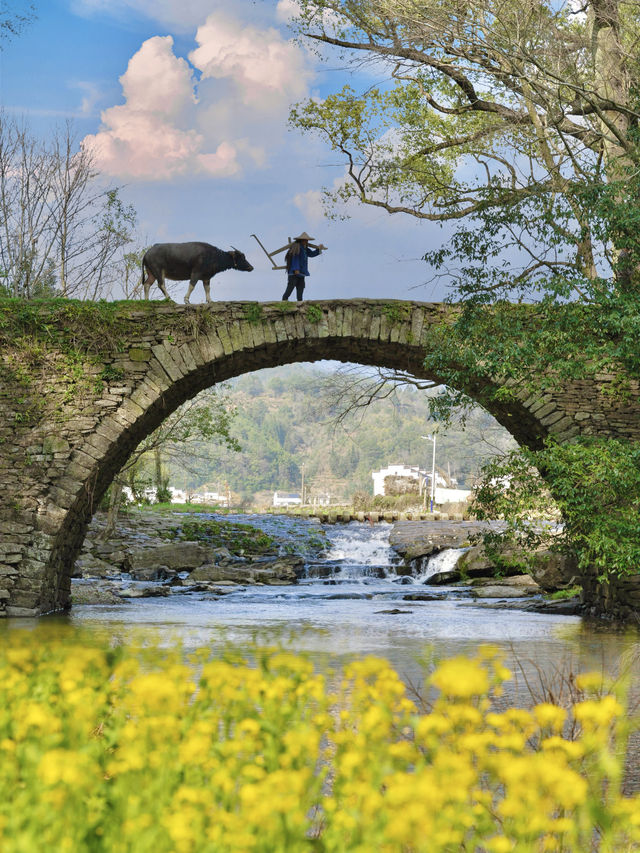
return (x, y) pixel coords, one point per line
(290, 242)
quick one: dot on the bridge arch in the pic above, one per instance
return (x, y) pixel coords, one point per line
(64, 436)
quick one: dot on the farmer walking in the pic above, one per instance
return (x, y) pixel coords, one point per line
(297, 264)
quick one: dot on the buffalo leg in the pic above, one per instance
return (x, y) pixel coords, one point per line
(162, 287)
(207, 288)
(147, 284)
(192, 283)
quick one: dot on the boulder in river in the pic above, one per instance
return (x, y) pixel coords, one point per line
(180, 556)
(553, 570)
(93, 567)
(412, 539)
(144, 592)
(279, 570)
(517, 586)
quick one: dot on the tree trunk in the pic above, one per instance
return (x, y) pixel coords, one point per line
(114, 507)
(612, 80)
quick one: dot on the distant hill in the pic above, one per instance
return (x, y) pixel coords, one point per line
(284, 422)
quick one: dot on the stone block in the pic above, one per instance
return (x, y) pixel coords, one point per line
(55, 444)
(139, 353)
(12, 611)
(165, 358)
(175, 555)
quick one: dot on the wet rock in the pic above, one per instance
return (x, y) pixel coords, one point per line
(152, 573)
(278, 571)
(320, 570)
(517, 586)
(412, 539)
(420, 596)
(94, 592)
(475, 561)
(174, 555)
(223, 556)
(394, 611)
(443, 578)
(144, 592)
(498, 591)
(516, 581)
(553, 571)
(93, 567)
(565, 607)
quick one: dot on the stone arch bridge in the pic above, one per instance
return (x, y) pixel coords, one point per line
(82, 384)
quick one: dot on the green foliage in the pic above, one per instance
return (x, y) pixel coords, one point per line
(237, 538)
(363, 502)
(314, 314)
(67, 324)
(111, 374)
(163, 493)
(396, 312)
(206, 420)
(253, 312)
(592, 484)
(562, 594)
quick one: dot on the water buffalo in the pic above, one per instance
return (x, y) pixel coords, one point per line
(188, 261)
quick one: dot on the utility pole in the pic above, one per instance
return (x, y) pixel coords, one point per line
(433, 470)
(433, 473)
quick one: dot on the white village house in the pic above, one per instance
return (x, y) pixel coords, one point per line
(180, 496)
(443, 493)
(287, 499)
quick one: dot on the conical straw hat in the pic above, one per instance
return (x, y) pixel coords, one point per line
(304, 236)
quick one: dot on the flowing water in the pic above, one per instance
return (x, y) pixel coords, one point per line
(352, 602)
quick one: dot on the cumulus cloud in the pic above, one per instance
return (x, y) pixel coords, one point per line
(149, 136)
(267, 70)
(217, 115)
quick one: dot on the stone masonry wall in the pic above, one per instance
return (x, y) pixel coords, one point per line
(70, 419)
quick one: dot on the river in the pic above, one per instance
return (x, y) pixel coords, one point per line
(361, 608)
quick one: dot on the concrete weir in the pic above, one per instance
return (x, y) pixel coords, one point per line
(76, 402)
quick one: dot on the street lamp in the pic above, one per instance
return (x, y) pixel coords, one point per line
(433, 468)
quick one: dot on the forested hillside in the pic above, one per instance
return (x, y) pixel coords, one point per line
(285, 424)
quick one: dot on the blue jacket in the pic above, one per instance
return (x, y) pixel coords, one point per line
(298, 264)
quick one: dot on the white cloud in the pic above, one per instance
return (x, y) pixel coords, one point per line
(179, 16)
(248, 77)
(149, 136)
(267, 70)
(91, 96)
(311, 205)
(287, 10)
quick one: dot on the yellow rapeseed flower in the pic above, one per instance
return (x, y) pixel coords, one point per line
(461, 678)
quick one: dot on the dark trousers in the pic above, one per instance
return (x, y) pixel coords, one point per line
(296, 281)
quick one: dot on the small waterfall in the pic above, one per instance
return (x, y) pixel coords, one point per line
(359, 550)
(444, 561)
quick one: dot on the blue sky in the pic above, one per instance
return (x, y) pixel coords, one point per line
(186, 104)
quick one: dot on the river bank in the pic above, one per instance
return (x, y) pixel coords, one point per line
(173, 553)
